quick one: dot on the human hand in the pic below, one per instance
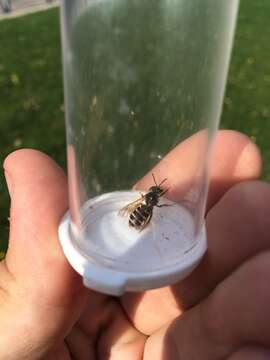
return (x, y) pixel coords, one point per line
(220, 311)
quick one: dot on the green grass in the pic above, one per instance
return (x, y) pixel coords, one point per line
(247, 101)
(31, 101)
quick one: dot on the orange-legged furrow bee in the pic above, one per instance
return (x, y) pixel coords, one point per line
(140, 211)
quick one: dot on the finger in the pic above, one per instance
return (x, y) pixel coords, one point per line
(119, 340)
(251, 353)
(235, 159)
(42, 294)
(38, 191)
(236, 313)
(237, 228)
(103, 326)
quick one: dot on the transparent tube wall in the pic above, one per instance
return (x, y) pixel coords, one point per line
(144, 84)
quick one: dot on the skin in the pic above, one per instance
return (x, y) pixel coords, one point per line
(220, 311)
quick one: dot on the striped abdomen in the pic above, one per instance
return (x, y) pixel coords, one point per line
(141, 216)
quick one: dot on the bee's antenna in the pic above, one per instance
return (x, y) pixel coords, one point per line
(164, 192)
(154, 179)
(156, 182)
(162, 181)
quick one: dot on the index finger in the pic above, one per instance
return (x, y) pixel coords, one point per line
(235, 158)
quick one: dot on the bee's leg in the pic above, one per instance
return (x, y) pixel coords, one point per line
(164, 191)
(164, 205)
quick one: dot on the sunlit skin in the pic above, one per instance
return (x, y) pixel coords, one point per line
(220, 311)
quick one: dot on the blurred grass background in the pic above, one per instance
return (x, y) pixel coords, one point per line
(31, 101)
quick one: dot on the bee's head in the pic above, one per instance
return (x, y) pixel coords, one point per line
(156, 189)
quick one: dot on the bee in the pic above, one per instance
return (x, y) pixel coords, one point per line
(140, 211)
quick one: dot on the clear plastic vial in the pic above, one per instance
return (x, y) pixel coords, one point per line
(144, 85)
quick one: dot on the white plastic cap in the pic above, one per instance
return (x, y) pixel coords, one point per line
(113, 257)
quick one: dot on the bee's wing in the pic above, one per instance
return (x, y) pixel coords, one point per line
(129, 208)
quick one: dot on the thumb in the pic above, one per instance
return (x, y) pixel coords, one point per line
(40, 294)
